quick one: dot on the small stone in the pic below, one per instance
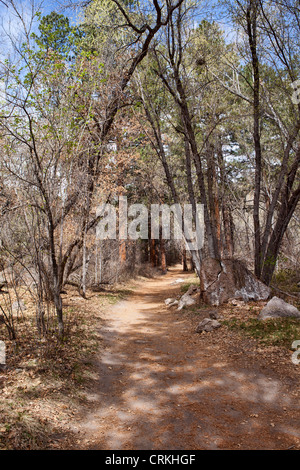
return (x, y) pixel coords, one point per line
(208, 325)
(169, 301)
(237, 303)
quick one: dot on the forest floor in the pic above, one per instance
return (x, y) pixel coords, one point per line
(160, 385)
(134, 375)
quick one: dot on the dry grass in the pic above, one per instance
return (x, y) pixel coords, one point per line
(42, 386)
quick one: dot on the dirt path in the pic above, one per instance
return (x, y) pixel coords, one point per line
(161, 386)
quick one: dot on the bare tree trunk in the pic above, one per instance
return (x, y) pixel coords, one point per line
(100, 263)
(122, 251)
(213, 198)
(184, 259)
(84, 264)
(59, 310)
(287, 208)
(252, 13)
(228, 231)
(163, 256)
(96, 263)
(153, 259)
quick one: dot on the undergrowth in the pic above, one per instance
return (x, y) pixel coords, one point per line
(275, 332)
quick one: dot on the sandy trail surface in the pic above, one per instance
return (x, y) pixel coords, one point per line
(162, 386)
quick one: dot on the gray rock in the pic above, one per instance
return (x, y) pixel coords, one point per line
(208, 325)
(278, 308)
(171, 302)
(186, 301)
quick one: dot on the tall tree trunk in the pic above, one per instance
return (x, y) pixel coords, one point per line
(184, 259)
(190, 136)
(153, 259)
(228, 243)
(252, 14)
(84, 264)
(196, 254)
(122, 251)
(163, 256)
(213, 198)
(228, 232)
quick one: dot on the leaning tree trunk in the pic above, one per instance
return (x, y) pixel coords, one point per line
(287, 209)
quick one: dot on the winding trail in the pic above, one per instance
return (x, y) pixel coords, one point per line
(161, 386)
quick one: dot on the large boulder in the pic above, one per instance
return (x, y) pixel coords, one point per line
(228, 279)
(278, 308)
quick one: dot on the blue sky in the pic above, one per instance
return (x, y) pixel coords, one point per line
(50, 5)
(10, 23)
(24, 6)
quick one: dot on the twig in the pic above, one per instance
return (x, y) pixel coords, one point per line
(285, 293)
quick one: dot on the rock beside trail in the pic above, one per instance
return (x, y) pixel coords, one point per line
(278, 308)
(221, 281)
(171, 302)
(208, 325)
(186, 301)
